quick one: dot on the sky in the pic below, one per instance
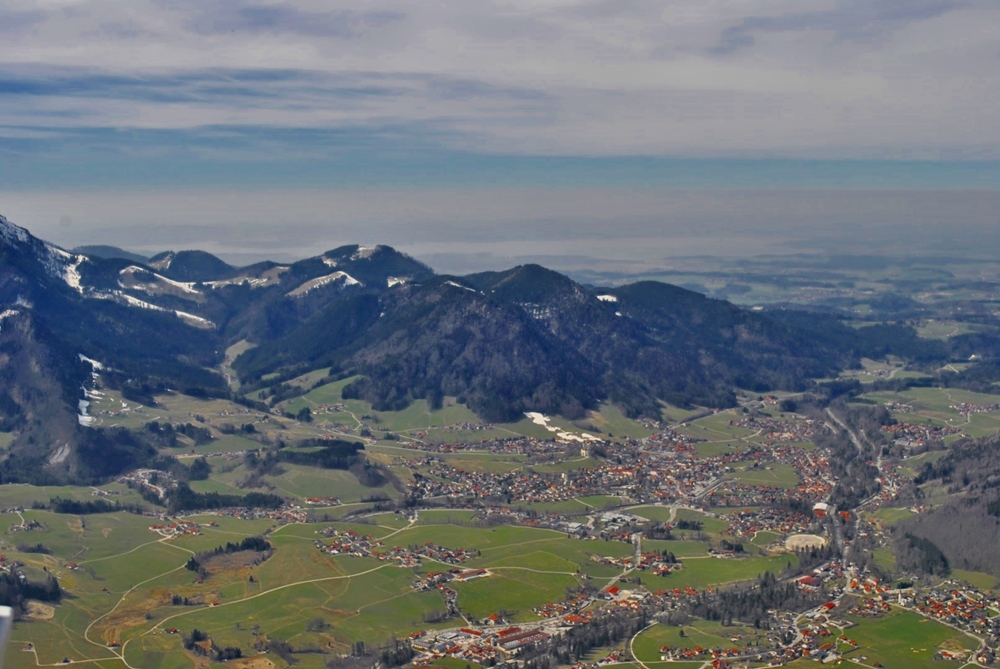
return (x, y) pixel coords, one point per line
(477, 134)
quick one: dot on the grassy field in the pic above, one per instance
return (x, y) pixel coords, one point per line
(716, 428)
(905, 639)
(679, 547)
(706, 571)
(675, 414)
(977, 579)
(25, 496)
(610, 421)
(566, 465)
(453, 423)
(661, 513)
(762, 539)
(887, 516)
(935, 329)
(122, 590)
(935, 405)
(778, 475)
(710, 449)
(885, 560)
(513, 590)
(701, 633)
(566, 506)
(301, 482)
(709, 524)
(446, 517)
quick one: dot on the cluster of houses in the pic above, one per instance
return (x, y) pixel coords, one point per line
(773, 430)
(349, 542)
(891, 482)
(156, 480)
(670, 440)
(622, 598)
(283, 514)
(812, 469)
(26, 525)
(663, 467)
(871, 607)
(967, 609)
(500, 446)
(657, 563)
(10, 567)
(323, 501)
(442, 479)
(475, 645)
(468, 427)
(176, 528)
(684, 654)
(914, 435)
(747, 523)
(438, 579)
(965, 408)
(571, 611)
(831, 573)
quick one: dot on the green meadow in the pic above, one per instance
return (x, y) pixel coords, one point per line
(701, 633)
(905, 639)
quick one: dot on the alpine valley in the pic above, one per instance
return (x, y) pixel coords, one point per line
(351, 461)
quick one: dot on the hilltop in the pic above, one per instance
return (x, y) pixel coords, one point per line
(502, 343)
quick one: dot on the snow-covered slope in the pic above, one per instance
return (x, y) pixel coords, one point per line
(58, 263)
(343, 277)
(151, 282)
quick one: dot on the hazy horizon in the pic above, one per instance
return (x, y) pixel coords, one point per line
(475, 134)
(460, 232)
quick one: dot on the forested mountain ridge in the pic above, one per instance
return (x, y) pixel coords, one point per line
(966, 528)
(524, 339)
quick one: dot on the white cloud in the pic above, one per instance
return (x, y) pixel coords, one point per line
(830, 78)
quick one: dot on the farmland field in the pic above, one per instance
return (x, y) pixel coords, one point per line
(126, 569)
(700, 572)
(904, 639)
(700, 633)
(778, 475)
(936, 405)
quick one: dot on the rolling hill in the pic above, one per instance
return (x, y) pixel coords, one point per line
(503, 343)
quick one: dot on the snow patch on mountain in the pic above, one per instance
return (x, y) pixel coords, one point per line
(318, 282)
(190, 319)
(136, 302)
(11, 233)
(58, 264)
(132, 271)
(365, 252)
(458, 285)
(83, 417)
(64, 266)
(269, 277)
(93, 363)
(395, 281)
(71, 270)
(164, 262)
(4, 315)
(252, 282)
(197, 321)
(608, 298)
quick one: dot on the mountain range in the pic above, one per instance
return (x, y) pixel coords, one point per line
(503, 343)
